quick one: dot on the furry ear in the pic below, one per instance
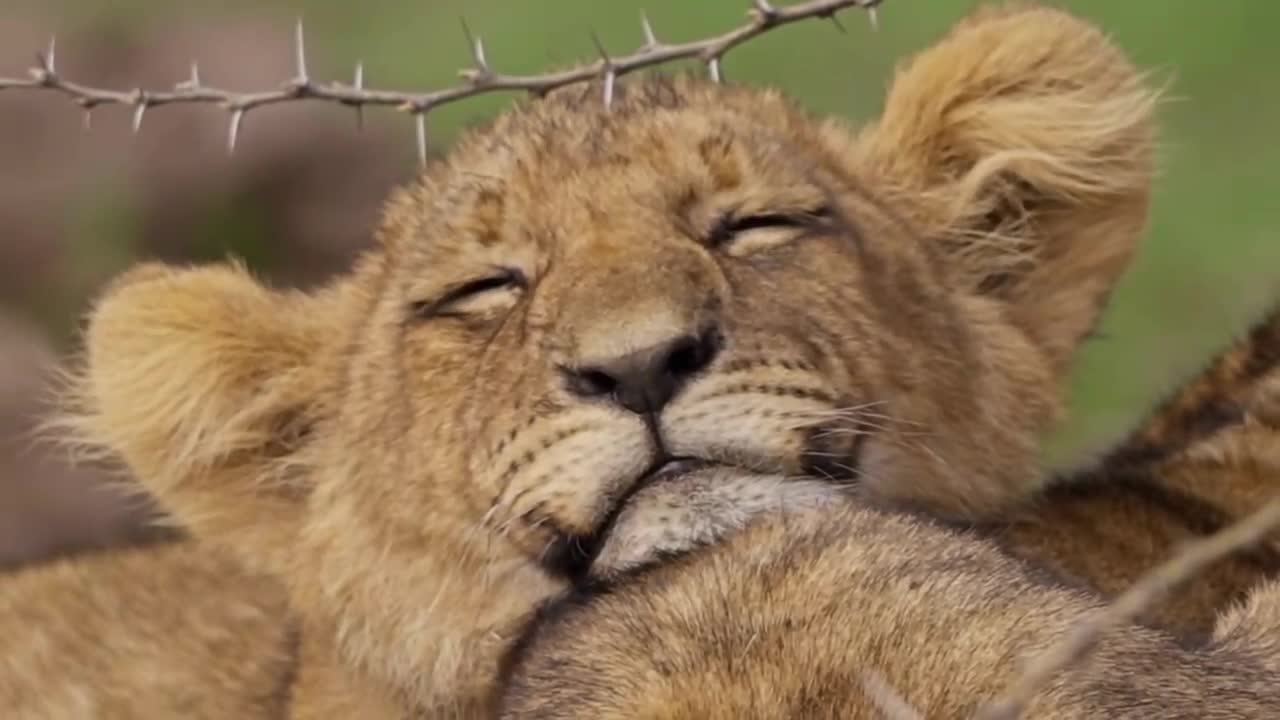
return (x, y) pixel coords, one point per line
(205, 384)
(1022, 143)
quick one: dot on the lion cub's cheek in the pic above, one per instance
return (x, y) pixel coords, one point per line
(558, 474)
(761, 418)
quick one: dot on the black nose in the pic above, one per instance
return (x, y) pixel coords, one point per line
(645, 380)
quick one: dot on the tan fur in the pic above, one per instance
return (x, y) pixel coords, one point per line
(178, 630)
(809, 607)
(799, 615)
(419, 467)
(1204, 459)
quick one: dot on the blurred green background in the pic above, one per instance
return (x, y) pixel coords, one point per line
(301, 194)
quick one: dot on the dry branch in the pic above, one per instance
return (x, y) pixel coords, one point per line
(1148, 590)
(479, 79)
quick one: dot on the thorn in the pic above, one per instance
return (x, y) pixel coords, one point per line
(233, 129)
(713, 67)
(358, 84)
(765, 12)
(300, 54)
(604, 54)
(192, 82)
(610, 78)
(835, 20)
(874, 17)
(610, 75)
(139, 110)
(420, 118)
(51, 55)
(87, 106)
(41, 73)
(650, 37)
(477, 48)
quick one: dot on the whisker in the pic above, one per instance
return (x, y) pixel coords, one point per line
(941, 460)
(890, 418)
(827, 413)
(505, 527)
(871, 430)
(861, 429)
(845, 409)
(819, 453)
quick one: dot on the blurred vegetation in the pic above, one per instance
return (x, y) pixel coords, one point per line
(1211, 260)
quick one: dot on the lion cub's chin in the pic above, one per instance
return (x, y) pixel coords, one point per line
(679, 512)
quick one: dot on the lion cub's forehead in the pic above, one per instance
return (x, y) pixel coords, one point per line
(668, 155)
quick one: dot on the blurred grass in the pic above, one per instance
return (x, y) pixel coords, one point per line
(1211, 260)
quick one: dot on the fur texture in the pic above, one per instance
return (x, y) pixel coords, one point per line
(1205, 458)
(798, 615)
(163, 631)
(431, 448)
(774, 600)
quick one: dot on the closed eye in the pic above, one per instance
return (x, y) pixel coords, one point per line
(730, 228)
(453, 300)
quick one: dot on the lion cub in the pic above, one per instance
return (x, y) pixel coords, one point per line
(580, 299)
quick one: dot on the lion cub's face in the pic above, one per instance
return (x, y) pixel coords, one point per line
(579, 298)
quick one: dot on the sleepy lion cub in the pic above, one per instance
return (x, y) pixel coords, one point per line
(576, 302)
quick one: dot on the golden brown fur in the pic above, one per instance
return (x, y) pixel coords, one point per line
(1205, 458)
(428, 450)
(799, 615)
(163, 631)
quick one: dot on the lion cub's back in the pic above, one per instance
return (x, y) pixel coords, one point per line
(161, 631)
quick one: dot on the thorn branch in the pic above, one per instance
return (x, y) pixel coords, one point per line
(479, 79)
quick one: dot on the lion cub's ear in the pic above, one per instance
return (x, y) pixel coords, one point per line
(1023, 144)
(205, 383)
